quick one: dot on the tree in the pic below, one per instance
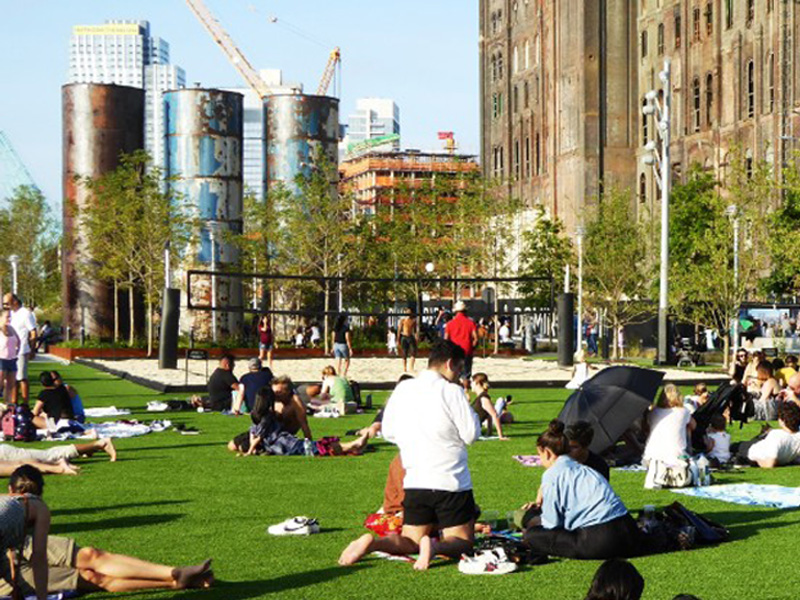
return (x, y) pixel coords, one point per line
(129, 223)
(320, 232)
(616, 270)
(784, 239)
(546, 252)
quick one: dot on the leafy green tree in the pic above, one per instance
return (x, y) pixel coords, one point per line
(784, 239)
(546, 252)
(616, 269)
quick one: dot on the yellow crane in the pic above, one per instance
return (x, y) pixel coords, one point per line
(229, 47)
(334, 59)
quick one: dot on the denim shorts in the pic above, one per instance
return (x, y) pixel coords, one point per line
(8, 365)
(341, 351)
(265, 347)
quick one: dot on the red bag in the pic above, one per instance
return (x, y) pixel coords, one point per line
(384, 523)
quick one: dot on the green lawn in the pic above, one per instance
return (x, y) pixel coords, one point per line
(180, 499)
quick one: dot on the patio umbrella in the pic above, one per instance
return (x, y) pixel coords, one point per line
(611, 401)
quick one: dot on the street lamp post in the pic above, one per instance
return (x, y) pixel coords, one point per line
(733, 212)
(662, 168)
(579, 233)
(14, 260)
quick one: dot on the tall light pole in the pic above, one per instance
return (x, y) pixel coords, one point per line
(14, 260)
(579, 233)
(662, 169)
(733, 212)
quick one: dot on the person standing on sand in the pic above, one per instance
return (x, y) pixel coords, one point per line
(409, 336)
(464, 333)
(437, 483)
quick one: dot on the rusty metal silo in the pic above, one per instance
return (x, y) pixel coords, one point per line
(99, 123)
(295, 125)
(204, 161)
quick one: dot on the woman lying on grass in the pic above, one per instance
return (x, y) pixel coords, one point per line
(43, 562)
(267, 436)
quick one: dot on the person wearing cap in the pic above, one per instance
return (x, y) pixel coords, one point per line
(462, 331)
(256, 378)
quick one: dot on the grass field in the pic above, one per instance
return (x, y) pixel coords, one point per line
(179, 499)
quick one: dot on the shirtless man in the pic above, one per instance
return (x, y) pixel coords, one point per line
(409, 336)
(289, 407)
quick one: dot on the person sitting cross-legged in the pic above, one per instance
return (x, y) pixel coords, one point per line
(51, 563)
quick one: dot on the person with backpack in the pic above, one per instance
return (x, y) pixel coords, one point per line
(44, 562)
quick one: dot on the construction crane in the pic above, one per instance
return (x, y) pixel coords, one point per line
(229, 47)
(13, 172)
(334, 60)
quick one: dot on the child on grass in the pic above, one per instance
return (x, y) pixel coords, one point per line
(718, 442)
(266, 436)
(391, 341)
(483, 405)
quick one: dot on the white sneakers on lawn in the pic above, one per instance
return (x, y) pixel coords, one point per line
(488, 562)
(295, 526)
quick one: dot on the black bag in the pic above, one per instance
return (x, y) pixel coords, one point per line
(515, 549)
(678, 528)
(355, 387)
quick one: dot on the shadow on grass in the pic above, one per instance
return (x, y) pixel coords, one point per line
(176, 446)
(93, 509)
(133, 521)
(242, 590)
(745, 524)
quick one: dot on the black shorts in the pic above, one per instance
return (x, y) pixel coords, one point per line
(408, 344)
(436, 507)
(466, 371)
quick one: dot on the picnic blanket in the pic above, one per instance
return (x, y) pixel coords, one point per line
(106, 411)
(774, 496)
(528, 460)
(110, 429)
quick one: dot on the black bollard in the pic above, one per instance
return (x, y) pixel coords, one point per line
(566, 323)
(168, 342)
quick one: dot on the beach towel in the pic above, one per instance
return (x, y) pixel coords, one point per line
(751, 494)
(105, 411)
(528, 460)
(110, 429)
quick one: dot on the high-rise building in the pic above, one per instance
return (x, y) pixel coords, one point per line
(563, 83)
(373, 118)
(253, 151)
(558, 90)
(124, 53)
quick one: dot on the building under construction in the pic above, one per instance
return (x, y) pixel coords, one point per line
(375, 178)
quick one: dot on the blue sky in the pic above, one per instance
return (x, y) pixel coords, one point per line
(424, 54)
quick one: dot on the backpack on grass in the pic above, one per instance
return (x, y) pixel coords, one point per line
(24, 429)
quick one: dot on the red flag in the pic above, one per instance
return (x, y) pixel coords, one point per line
(445, 135)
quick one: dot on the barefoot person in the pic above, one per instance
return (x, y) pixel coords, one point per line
(56, 454)
(51, 563)
(437, 483)
(409, 336)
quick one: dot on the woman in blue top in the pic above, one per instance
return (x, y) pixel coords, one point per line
(581, 516)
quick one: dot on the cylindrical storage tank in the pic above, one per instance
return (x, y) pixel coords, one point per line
(204, 166)
(99, 123)
(295, 126)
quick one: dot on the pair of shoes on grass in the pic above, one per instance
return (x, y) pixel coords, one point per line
(295, 526)
(488, 562)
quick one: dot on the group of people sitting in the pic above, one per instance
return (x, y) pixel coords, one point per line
(769, 383)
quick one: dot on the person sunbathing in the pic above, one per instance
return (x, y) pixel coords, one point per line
(57, 454)
(44, 562)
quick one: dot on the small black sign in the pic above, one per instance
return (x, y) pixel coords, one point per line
(197, 354)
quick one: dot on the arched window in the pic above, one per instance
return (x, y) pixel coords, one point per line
(527, 54)
(770, 104)
(696, 104)
(515, 66)
(642, 188)
(728, 14)
(661, 39)
(709, 100)
(751, 11)
(645, 123)
(751, 89)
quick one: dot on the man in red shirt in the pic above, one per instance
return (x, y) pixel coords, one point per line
(462, 331)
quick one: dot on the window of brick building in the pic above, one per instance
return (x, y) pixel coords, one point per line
(527, 157)
(751, 89)
(709, 18)
(538, 156)
(677, 18)
(500, 66)
(515, 99)
(644, 44)
(642, 188)
(770, 83)
(751, 11)
(696, 24)
(517, 163)
(709, 99)
(661, 39)
(500, 104)
(494, 106)
(525, 95)
(769, 6)
(728, 14)
(696, 104)
(645, 124)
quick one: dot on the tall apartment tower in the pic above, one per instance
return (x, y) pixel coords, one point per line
(734, 81)
(124, 53)
(558, 89)
(373, 118)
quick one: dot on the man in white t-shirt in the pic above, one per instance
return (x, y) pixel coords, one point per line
(430, 419)
(24, 323)
(781, 446)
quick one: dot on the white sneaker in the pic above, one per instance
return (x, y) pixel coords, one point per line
(295, 526)
(488, 562)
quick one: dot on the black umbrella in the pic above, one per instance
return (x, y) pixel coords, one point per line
(611, 401)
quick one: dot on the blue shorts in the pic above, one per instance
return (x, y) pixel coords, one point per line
(341, 351)
(8, 365)
(265, 347)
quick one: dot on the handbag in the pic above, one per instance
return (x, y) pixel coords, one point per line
(663, 475)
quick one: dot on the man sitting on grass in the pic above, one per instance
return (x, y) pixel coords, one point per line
(431, 421)
(221, 386)
(44, 562)
(779, 446)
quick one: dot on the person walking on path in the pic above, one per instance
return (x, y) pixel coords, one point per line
(342, 343)
(430, 419)
(9, 350)
(24, 323)
(409, 337)
(462, 331)
(266, 340)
